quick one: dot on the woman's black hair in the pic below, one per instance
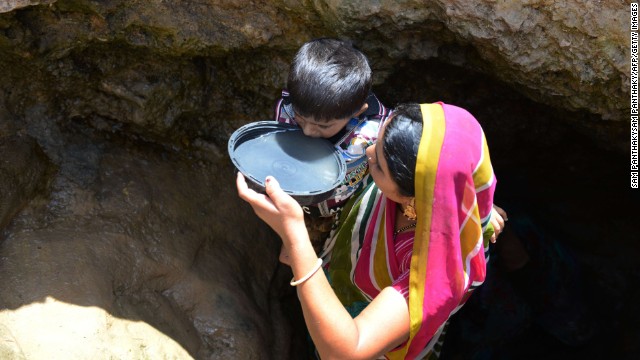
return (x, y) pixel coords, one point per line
(329, 79)
(400, 145)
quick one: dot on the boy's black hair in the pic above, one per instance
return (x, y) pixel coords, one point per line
(400, 145)
(329, 79)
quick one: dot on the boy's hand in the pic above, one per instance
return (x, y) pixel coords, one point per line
(498, 218)
(277, 208)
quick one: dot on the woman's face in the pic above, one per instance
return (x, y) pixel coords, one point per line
(379, 170)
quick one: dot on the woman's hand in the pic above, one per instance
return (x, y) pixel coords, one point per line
(277, 208)
(498, 218)
(382, 326)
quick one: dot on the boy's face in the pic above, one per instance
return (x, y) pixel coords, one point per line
(324, 129)
(320, 129)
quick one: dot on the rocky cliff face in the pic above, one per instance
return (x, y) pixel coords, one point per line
(123, 61)
(116, 190)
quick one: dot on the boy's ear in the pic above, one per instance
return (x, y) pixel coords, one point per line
(364, 107)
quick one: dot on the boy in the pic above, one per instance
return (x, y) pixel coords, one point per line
(329, 96)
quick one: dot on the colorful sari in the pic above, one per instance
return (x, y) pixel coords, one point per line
(454, 197)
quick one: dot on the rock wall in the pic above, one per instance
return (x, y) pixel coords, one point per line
(121, 61)
(117, 200)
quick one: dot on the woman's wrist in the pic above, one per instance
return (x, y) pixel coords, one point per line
(308, 275)
(296, 236)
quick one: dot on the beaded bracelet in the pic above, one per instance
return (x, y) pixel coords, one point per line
(306, 277)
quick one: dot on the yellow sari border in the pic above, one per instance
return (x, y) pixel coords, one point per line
(433, 129)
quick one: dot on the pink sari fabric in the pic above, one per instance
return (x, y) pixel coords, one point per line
(454, 197)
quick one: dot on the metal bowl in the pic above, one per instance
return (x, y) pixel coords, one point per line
(308, 169)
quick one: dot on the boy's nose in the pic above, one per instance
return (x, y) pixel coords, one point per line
(309, 131)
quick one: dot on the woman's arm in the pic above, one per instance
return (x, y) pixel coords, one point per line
(381, 326)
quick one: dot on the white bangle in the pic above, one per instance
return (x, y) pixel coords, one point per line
(306, 277)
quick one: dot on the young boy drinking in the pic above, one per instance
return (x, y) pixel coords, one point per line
(329, 96)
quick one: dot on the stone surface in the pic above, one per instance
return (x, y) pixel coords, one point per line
(117, 199)
(24, 172)
(46, 330)
(160, 67)
(9, 5)
(141, 235)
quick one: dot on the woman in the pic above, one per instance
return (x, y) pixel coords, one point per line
(407, 251)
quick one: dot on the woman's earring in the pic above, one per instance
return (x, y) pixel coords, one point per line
(410, 210)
